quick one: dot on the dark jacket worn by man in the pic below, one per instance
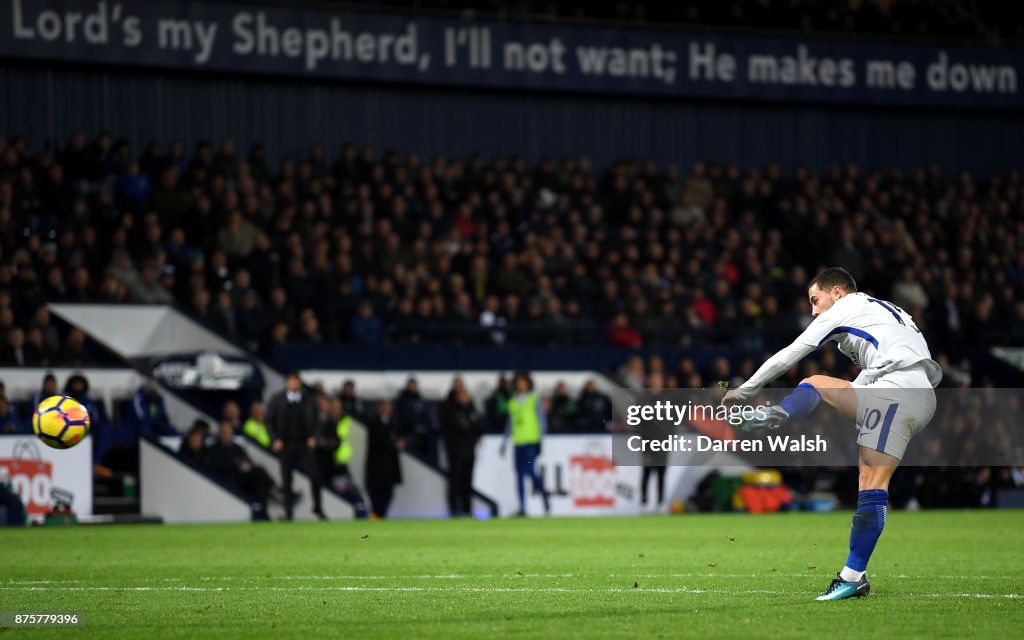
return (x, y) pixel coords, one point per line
(383, 467)
(461, 428)
(293, 423)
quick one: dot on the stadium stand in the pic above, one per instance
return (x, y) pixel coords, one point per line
(385, 248)
(390, 248)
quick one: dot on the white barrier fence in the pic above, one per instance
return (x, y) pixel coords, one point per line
(177, 493)
(581, 478)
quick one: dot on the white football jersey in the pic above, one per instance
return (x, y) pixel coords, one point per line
(876, 335)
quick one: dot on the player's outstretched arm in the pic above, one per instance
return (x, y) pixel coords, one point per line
(807, 342)
(773, 367)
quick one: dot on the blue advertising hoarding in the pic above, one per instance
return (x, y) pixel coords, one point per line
(317, 43)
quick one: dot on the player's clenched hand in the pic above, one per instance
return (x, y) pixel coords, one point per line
(731, 397)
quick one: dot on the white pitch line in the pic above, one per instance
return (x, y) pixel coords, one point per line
(510, 576)
(399, 589)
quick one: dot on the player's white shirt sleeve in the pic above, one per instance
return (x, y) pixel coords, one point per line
(807, 342)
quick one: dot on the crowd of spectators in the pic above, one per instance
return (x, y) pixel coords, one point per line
(950, 19)
(368, 247)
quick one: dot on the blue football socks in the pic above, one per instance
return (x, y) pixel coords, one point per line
(868, 522)
(803, 400)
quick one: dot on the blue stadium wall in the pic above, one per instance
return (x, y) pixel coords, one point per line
(47, 103)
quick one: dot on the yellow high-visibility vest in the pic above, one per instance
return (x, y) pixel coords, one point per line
(344, 451)
(522, 411)
(257, 431)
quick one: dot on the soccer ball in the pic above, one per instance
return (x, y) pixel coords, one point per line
(61, 422)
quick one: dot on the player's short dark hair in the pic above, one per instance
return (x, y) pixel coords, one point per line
(834, 277)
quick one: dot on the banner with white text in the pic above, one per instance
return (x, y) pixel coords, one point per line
(231, 37)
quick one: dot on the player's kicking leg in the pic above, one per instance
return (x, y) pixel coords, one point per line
(805, 398)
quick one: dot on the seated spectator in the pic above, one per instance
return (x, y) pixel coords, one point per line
(233, 414)
(277, 337)
(39, 353)
(9, 422)
(366, 326)
(150, 413)
(255, 425)
(229, 461)
(251, 322)
(622, 334)
(77, 387)
(720, 369)
(309, 327)
(224, 315)
(48, 389)
(631, 374)
(595, 409)
(15, 353)
(6, 319)
(563, 414)
(909, 294)
(133, 188)
(51, 338)
(238, 236)
(147, 288)
(193, 445)
(491, 318)
(75, 351)
(111, 291)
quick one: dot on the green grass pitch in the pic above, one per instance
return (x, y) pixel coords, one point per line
(935, 574)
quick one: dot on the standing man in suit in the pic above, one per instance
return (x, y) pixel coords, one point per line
(461, 428)
(383, 466)
(293, 424)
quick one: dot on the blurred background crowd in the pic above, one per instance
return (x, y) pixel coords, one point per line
(375, 246)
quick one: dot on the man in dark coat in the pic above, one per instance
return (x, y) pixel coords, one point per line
(461, 428)
(294, 425)
(413, 416)
(350, 404)
(594, 409)
(383, 470)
